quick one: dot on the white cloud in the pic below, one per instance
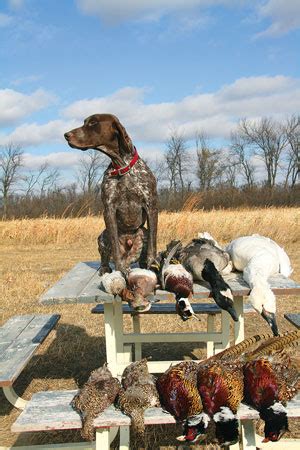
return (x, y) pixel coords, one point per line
(16, 105)
(120, 10)
(25, 80)
(33, 134)
(5, 20)
(16, 4)
(216, 113)
(284, 14)
(58, 160)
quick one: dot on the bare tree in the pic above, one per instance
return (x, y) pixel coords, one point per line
(209, 167)
(229, 168)
(90, 172)
(177, 162)
(241, 150)
(293, 151)
(11, 159)
(39, 181)
(268, 139)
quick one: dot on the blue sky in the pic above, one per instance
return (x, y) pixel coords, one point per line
(159, 65)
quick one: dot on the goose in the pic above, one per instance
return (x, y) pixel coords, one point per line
(258, 257)
(205, 260)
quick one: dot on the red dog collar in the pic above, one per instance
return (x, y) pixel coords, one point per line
(119, 171)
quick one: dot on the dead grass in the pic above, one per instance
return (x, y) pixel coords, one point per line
(36, 253)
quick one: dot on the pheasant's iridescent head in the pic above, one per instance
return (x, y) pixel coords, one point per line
(276, 422)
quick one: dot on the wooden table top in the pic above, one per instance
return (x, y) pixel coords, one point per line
(82, 285)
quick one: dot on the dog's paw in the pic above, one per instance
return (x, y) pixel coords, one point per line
(103, 270)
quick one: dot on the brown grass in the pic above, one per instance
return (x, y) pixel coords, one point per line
(36, 253)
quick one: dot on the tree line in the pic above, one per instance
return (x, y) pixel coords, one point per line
(259, 165)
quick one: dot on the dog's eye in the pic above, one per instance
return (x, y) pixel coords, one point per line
(92, 124)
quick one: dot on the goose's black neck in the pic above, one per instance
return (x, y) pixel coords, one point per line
(210, 274)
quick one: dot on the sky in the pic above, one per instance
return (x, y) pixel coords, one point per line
(159, 65)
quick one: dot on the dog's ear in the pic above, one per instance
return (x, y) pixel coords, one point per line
(123, 137)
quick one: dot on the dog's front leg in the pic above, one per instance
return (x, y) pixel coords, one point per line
(110, 220)
(152, 215)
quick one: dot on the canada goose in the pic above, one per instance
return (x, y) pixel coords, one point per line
(259, 257)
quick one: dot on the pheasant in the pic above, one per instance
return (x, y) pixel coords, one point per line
(271, 379)
(99, 392)
(179, 395)
(138, 393)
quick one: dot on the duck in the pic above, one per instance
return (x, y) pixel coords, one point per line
(133, 288)
(141, 284)
(205, 260)
(259, 257)
(271, 378)
(175, 278)
(98, 393)
(138, 393)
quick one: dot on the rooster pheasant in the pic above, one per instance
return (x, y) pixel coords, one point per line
(271, 378)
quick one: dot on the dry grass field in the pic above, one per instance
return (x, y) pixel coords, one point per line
(36, 253)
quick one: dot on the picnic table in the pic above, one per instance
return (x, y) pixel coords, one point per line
(82, 285)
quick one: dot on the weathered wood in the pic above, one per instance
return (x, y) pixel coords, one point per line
(169, 308)
(82, 285)
(52, 411)
(20, 343)
(294, 318)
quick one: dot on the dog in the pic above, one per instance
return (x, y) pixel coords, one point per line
(128, 193)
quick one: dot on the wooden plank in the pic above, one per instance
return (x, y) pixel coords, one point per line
(81, 285)
(17, 354)
(12, 329)
(294, 319)
(68, 288)
(52, 411)
(169, 308)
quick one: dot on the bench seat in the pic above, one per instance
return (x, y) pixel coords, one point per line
(169, 308)
(20, 337)
(52, 411)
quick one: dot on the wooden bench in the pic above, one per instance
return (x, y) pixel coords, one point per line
(52, 411)
(20, 337)
(294, 318)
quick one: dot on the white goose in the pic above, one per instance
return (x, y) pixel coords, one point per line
(259, 257)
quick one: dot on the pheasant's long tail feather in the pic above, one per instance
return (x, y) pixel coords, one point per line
(87, 431)
(238, 349)
(290, 339)
(137, 420)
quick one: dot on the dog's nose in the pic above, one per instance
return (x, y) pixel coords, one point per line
(67, 136)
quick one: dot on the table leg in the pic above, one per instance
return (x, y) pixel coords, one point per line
(124, 438)
(110, 337)
(102, 439)
(13, 398)
(248, 434)
(137, 329)
(239, 326)
(210, 329)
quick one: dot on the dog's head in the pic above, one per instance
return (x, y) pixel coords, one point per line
(102, 132)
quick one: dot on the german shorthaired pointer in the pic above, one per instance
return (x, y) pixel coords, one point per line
(128, 193)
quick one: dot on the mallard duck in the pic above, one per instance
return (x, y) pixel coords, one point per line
(259, 257)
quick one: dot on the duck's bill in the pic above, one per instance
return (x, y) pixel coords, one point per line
(270, 318)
